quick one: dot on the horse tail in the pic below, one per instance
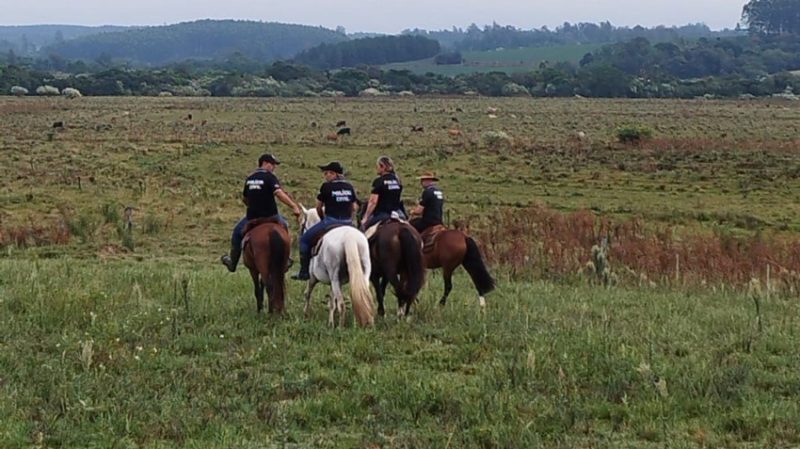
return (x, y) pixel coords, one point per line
(359, 285)
(475, 266)
(411, 249)
(277, 266)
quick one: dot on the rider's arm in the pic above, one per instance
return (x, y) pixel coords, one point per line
(373, 202)
(287, 200)
(420, 207)
(320, 209)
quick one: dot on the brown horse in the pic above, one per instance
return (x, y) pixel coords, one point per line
(451, 248)
(396, 252)
(266, 254)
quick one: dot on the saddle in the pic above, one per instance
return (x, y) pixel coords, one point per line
(252, 224)
(316, 243)
(429, 237)
(372, 230)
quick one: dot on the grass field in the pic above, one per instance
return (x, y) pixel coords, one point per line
(507, 60)
(141, 339)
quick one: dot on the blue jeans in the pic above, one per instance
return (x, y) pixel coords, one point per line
(312, 232)
(238, 230)
(378, 217)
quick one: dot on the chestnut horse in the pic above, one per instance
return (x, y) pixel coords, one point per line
(396, 252)
(451, 248)
(266, 254)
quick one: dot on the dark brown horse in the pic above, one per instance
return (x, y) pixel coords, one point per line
(450, 248)
(396, 252)
(266, 254)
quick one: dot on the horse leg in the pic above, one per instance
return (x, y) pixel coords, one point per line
(447, 274)
(381, 293)
(342, 306)
(333, 303)
(309, 288)
(375, 280)
(270, 305)
(258, 291)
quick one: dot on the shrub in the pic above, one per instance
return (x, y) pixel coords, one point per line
(496, 139)
(19, 91)
(47, 90)
(515, 90)
(633, 133)
(70, 92)
(110, 212)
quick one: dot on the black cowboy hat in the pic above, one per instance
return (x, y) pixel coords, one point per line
(334, 166)
(267, 157)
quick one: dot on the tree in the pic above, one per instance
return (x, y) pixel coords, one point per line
(772, 16)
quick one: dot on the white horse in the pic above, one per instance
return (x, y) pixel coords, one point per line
(343, 249)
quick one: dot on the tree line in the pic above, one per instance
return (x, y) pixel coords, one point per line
(756, 66)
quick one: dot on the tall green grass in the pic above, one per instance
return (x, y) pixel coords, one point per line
(171, 354)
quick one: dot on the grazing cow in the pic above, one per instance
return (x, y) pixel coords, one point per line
(341, 123)
(188, 117)
(454, 120)
(332, 137)
(417, 129)
(454, 132)
(58, 125)
(459, 110)
(343, 132)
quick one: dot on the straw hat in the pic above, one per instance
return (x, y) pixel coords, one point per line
(429, 176)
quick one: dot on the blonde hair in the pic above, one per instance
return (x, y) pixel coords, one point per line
(387, 162)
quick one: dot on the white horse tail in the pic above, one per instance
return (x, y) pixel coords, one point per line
(359, 285)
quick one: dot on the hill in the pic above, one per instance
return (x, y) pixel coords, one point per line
(509, 60)
(204, 39)
(27, 39)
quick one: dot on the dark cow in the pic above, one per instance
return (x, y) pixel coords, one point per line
(343, 132)
(341, 123)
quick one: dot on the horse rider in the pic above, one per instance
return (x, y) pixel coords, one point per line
(336, 203)
(260, 190)
(384, 200)
(429, 211)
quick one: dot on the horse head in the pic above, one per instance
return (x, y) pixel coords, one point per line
(310, 218)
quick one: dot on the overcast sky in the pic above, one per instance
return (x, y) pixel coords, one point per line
(390, 16)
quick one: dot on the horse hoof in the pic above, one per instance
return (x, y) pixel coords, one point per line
(442, 303)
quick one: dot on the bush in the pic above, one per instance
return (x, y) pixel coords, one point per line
(448, 58)
(633, 133)
(70, 92)
(515, 90)
(19, 91)
(47, 90)
(496, 138)
(110, 212)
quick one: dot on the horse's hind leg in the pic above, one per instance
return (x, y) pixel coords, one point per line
(258, 290)
(309, 288)
(270, 305)
(337, 303)
(447, 274)
(376, 282)
(381, 293)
